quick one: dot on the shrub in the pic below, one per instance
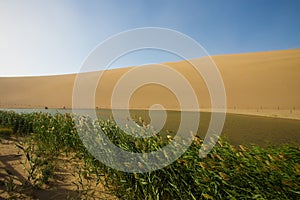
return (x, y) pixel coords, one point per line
(6, 132)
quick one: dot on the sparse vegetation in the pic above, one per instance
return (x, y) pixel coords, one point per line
(228, 172)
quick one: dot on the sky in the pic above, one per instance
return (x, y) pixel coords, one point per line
(55, 37)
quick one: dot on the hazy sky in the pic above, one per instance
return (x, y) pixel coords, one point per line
(54, 37)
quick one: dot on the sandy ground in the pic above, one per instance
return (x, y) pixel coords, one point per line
(263, 83)
(13, 176)
(274, 113)
(287, 113)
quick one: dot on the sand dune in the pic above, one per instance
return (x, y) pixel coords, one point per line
(253, 81)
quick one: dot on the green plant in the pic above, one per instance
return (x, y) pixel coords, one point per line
(228, 172)
(39, 164)
(9, 183)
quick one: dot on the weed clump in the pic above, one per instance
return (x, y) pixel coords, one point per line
(6, 132)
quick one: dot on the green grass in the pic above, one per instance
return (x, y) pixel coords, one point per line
(228, 172)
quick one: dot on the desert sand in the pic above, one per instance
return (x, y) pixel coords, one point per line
(13, 166)
(261, 83)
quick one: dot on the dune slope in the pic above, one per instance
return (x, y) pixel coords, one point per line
(253, 81)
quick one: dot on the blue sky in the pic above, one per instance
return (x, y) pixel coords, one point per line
(54, 37)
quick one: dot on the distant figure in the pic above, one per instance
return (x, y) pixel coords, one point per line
(46, 107)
